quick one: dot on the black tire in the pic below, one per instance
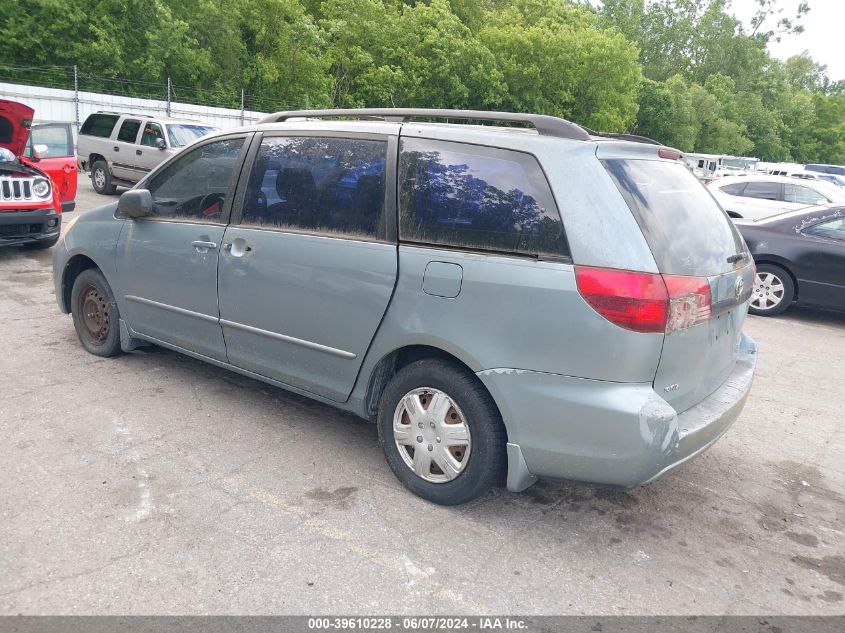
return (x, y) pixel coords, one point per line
(95, 314)
(101, 178)
(766, 289)
(486, 457)
(48, 243)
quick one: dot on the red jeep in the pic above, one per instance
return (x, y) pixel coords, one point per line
(37, 177)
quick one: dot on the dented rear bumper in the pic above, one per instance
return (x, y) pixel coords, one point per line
(621, 434)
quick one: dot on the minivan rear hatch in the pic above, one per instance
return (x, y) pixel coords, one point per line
(691, 238)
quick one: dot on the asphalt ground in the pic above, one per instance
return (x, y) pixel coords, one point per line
(155, 484)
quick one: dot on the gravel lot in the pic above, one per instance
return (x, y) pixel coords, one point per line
(153, 483)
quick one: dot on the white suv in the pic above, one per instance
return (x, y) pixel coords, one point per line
(757, 197)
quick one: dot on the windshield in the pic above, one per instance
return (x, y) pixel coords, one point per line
(686, 230)
(738, 163)
(182, 134)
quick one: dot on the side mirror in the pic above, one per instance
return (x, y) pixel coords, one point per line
(160, 143)
(134, 204)
(40, 151)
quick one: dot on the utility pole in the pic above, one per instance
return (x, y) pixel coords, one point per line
(76, 95)
(167, 109)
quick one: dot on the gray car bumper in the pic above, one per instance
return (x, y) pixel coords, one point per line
(618, 434)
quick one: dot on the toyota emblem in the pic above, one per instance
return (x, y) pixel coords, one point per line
(740, 286)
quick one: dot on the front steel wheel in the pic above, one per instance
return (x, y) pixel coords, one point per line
(773, 291)
(96, 318)
(431, 435)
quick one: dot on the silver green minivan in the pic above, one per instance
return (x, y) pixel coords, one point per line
(506, 302)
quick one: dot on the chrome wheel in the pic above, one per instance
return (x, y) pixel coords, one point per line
(431, 434)
(99, 178)
(768, 291)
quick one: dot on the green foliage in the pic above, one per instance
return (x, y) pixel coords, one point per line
(684, 72)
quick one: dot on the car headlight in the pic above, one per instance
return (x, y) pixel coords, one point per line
(41, 187)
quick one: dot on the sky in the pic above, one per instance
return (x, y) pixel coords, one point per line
(822, 36)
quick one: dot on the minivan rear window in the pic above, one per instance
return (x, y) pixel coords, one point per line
(686, 230)
(99, 125)
(480, 198)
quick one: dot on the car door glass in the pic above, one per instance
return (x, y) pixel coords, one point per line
(802, 195)
(100, 125)
(734, 189)
(129, 131)
(477, 197)
(152, 132)
(196, 185)
(832, 229)
(318, 185)
(762, 190)
(57, 138)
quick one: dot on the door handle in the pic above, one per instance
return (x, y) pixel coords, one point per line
(203, 246)
(116, 148)
(139, 152)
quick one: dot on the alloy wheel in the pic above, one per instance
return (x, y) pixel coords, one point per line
(768, 291)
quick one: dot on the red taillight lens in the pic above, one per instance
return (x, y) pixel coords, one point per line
(645, 302)
(634, 301)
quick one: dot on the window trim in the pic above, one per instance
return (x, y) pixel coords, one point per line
(237, 170)
(485, 251)
(387, 232)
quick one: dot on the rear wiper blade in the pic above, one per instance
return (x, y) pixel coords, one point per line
(737, 258)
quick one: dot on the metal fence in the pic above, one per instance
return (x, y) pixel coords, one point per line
(66, 94)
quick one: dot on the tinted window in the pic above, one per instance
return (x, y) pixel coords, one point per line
(324, 185)
(195, 185)
(734, 189)
(129, 131)
(99, 125)
(57, 138)
(6, 129)
(833, 229)
(686, 230)
(802, 195)
(477, 197)
(152, 132)
(762, 190)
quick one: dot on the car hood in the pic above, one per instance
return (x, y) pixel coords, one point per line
(15, 121)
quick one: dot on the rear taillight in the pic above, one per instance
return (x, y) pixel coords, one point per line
(645, 302)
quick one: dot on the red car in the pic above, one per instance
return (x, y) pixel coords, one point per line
(37, 177)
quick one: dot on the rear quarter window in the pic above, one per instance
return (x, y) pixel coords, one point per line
(687, 232)
(475, 197)
(99, 125)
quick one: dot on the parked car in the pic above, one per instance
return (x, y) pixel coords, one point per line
(120, 149)
(758, 197)
(834, 179)
(800, 258)
(36, 181)
(839, 170)
(501, 303)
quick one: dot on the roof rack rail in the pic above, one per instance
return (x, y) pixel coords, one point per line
(634, 138)
(544, 124)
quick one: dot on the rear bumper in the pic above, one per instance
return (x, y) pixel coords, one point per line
(619, 434)
(21, 227)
